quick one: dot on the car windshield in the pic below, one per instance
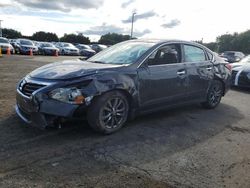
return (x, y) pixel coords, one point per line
(47, 45)
(68, 45)
(229, 53)
(3, 40)
(84, 47)
(122, 53)
(26, 42)
(245, 59)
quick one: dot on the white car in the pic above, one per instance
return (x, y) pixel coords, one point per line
(5, 44)
(67, 48)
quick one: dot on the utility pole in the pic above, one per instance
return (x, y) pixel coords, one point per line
(1, 33)
(132, 26)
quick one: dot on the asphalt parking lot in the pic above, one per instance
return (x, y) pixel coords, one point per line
(184, 147)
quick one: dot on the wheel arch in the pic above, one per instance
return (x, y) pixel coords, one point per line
(223, 84)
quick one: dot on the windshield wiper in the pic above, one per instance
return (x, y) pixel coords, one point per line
(100, 62)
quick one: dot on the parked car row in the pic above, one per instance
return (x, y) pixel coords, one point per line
(241, 73)
(25, 46)
(240, 68)
(232, 56)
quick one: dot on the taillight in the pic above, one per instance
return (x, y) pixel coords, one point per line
(229, 67)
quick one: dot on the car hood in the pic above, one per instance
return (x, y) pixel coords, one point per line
(88, 50)
(69, 70)
(50, 48)
(69, 48)
(5, 45)
(28, 46)
(241, 66)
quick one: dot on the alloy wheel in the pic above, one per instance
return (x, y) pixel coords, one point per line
(215, 95)
(114, 113)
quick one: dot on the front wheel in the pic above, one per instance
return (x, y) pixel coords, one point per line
(108, 112)
(214, 95)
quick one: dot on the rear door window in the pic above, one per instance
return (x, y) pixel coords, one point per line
(210, 55)
(194, 54)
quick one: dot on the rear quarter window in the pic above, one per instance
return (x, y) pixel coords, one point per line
(210, 56)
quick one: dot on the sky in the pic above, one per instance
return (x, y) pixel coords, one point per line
(166, 19)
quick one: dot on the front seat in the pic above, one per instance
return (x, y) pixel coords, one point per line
(169, 58)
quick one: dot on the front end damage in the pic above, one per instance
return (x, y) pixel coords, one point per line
(35, 106)
(41, 111)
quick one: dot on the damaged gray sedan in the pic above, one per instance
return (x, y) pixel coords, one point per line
(127, 79)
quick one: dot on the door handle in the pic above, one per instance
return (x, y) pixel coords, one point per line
(209, 68)
(180, 73)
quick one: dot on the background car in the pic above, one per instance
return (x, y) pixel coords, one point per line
(85, 50)
(24, 46)
(13, 43)
(46, 48)
(241, 73)
(67, 49)
(232, 56)
(5, 44)
(116, 84)
(98, 47)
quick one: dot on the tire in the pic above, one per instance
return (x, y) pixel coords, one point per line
(108, 112)
(214, 95)
(18, 51)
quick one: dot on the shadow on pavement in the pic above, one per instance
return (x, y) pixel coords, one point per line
(157, 134)
(241, 89)
(55, 155)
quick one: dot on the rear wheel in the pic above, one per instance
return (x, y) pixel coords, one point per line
(108, 112)
(214, 95)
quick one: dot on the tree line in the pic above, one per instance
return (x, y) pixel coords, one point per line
(235, 41)
(108, 39)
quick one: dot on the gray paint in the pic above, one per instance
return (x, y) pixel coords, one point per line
(148, 87)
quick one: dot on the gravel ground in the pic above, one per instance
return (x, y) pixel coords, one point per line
(184, 147)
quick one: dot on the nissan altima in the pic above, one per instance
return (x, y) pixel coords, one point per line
(127, 79)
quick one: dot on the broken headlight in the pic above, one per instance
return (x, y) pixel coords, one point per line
(67, 95)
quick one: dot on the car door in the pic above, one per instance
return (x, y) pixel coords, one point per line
(199, 70)
(162, 77)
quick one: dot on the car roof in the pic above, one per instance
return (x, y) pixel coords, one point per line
(3, 38)
(24, 39)
(82, 45)
(232, 52)
(163, 41)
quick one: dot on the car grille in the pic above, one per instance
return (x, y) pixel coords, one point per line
(28, 88)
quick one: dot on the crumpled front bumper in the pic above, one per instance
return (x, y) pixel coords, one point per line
(36, 119)
(43, 112)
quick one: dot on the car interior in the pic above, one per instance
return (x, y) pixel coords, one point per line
(168, 54)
